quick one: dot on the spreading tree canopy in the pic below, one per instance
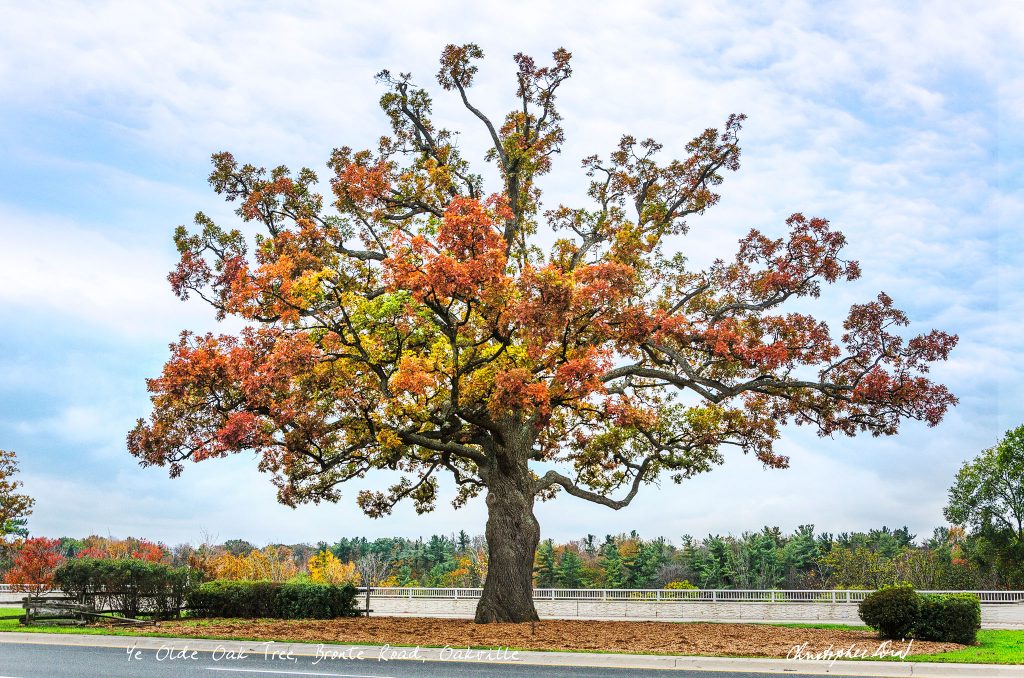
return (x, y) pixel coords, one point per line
(988, 493)
(419, 326)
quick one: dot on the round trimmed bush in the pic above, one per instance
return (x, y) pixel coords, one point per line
(949, 617)
(892, 611)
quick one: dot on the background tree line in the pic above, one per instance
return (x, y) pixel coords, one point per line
(987, 496)
(805, 559)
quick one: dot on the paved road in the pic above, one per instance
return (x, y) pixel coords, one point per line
(24, 660)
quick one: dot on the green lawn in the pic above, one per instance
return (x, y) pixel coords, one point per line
(9, 622)
(994, 647)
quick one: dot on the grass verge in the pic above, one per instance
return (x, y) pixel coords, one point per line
(994, 647)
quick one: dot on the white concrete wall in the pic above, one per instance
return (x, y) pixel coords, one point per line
(993, 616)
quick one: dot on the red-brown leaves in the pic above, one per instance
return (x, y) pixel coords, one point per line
(219, 395)
(34, 565)
(137, 549)
(360, 179)
(191, 273)
(516, 389)
(465, 261)
(414, 377)
(768, 269)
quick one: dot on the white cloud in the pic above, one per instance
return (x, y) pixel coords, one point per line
(53, 265)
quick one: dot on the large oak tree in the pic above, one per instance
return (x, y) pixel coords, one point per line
(420, 328)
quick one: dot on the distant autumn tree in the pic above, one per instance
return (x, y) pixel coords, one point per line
(15, 506)
(137, 549)
(426, 326)
(325, 568)
(272, 563)
(35, 563)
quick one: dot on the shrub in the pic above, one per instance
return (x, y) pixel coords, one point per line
(892, 611)
(680, 585)
(949, 617)
(317, 601)
(682, 590)
(228, 598)
(126, 585)
(266, 599)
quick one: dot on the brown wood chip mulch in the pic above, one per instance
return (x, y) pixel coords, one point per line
(752, 640)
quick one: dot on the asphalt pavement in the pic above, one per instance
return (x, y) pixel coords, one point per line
(24, 660)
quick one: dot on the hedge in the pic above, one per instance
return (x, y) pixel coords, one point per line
(265, 599)
(126, 585)
(952, 617)
(898, 612)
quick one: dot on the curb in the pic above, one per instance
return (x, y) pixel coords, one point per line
(356, 653)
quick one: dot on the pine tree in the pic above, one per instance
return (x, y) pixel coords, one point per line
(570, 570)
(462, 542)
(545, 572)
(611, 565)
(650, 559)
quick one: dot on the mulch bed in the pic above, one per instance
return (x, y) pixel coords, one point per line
(752, 640)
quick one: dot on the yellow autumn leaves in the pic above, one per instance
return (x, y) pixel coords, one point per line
(326, 568)
(277, 563)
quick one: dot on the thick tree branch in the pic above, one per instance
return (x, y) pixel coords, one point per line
(555, 478)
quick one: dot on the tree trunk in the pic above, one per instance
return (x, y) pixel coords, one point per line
(512, 537)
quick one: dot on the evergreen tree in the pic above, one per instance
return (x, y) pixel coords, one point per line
(652, 556)
(718, 568)
(611, 566)
(462, 542)
(545, 571)
(799, 555)
(570, 570)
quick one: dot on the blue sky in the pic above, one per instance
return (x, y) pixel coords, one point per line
(900, 124)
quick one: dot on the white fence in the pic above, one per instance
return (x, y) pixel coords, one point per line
(675, 595)
(681, 595)
(999, 609)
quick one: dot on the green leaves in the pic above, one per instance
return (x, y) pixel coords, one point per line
(988, 492)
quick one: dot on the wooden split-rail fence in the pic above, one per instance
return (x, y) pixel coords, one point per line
(60, 609)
